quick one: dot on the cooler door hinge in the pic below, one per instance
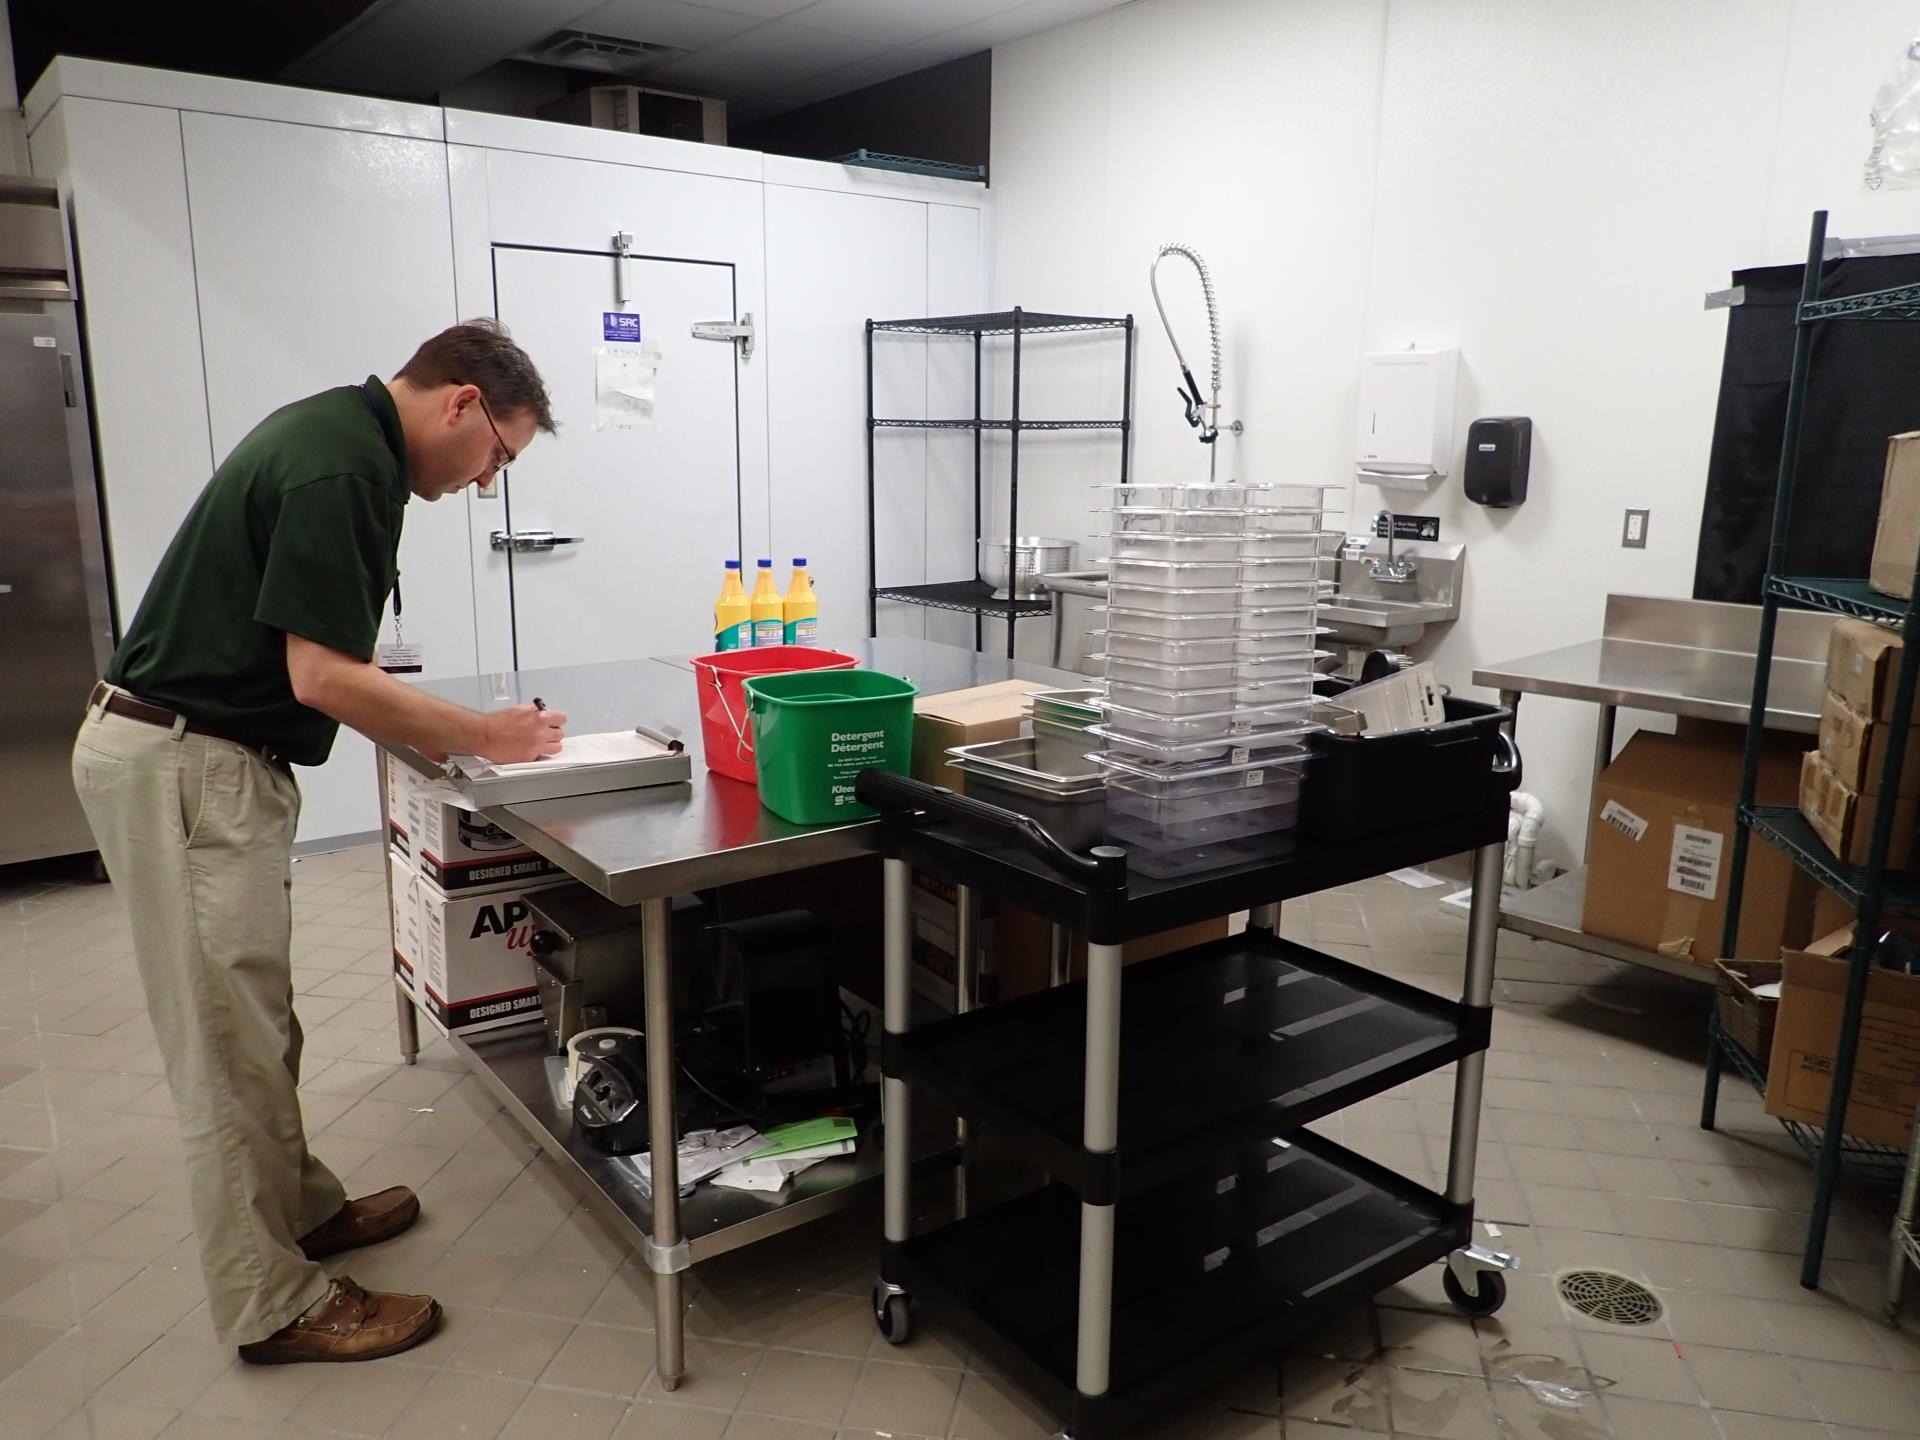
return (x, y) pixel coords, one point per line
(742, 332)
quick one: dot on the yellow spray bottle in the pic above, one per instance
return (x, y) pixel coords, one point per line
(800, 611)
(732, 615)
(768, 626)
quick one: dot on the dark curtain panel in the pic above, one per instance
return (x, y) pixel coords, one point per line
(1864, 386)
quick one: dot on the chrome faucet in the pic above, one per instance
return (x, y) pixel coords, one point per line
(1391, 570)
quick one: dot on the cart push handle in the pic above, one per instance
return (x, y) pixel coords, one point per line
(1104, 866)
(1510, 753)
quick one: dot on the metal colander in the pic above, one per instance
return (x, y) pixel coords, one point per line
(1605, 1295)
(1033, 556)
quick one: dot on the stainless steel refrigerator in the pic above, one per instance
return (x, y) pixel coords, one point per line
(56, 620)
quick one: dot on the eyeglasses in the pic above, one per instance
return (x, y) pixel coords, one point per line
(505, 449)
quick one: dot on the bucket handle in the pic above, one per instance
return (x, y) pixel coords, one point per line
(742, 747)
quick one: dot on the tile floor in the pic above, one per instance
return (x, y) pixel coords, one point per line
(1590, 1155)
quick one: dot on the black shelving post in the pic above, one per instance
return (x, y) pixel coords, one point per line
(1013, 484)
(873, 572)
(979, 435)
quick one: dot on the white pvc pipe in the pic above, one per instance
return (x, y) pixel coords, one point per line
(1523, 834)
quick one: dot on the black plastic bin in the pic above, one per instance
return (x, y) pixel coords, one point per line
(1359, 786)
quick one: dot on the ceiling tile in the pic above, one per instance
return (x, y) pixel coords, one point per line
(665, 22)
(765, 60)
(1032, 18)
(888, 66)
(759, 9)
(898, 22)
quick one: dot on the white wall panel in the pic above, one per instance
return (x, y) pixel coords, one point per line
(122, 170)
(833, 262)
(323, 256)
(956, 285)
(1558, 186)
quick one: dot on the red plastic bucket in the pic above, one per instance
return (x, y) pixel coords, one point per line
(725, 732)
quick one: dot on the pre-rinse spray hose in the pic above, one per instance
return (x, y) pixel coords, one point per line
(1204, 416)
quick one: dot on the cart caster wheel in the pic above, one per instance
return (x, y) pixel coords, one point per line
(893, 1314)
(1489, 1294)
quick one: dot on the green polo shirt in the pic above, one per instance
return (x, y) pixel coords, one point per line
(297, 533)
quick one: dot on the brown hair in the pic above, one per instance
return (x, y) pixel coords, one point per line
(481, 353)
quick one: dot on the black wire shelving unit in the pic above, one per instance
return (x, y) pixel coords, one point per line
(974, 596)
(1872, 889)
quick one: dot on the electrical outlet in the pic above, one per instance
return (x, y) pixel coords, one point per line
(1633, 534)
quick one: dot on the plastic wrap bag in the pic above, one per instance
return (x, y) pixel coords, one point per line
(1894, 161)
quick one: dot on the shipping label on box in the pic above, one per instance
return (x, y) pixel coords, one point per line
(460, 849)
(1886, 1077)
(476, 970)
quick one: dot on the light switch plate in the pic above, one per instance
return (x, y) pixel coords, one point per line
(1633, 533)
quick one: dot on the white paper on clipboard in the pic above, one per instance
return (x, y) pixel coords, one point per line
(623, 385)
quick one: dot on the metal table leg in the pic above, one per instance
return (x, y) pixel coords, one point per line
(1100, 1134)
(1602, 757)
(1510, 699)
(1901, 1251)
(966, 991)
(1059, 957)
(890, 1311)
(408, 1017)
(663, 1138)
(1471, 1263)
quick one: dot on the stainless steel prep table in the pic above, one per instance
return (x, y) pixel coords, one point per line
(640, 848)
(1673, 657)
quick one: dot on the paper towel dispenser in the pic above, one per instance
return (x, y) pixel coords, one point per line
(1405, 436)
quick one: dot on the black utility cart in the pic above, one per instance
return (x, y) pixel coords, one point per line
(1190, 1224)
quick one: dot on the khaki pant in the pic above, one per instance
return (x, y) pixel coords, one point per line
(197, 835)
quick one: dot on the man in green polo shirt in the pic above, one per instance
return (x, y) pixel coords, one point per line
(254, 644)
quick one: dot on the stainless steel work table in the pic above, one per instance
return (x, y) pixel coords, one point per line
(641, 848)
(1674, 657)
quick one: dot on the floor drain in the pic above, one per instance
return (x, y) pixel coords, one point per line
(1607, 1296)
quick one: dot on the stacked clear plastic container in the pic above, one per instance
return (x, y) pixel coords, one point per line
(1210, 650)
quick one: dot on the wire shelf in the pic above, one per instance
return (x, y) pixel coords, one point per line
(1000, 424)
(1843, 597)
(913, 165)
(1001, 322)
(969, 597)
(1899, 303)
(1857, 1157)
(1785, 828)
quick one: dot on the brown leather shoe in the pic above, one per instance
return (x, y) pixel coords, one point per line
(349, 1323)
(366, 1221)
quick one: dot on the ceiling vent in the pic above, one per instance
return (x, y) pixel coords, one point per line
(603, 54)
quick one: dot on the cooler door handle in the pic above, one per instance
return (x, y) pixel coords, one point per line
(531, 542)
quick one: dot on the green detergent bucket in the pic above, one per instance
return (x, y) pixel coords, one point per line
(814, 731)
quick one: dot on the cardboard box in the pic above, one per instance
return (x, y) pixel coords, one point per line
(1026, 947)
(1896, 541)
(474, 971)
(1661, 842)
(459, 849)
(1844, 819)
(1863, 661)
(1886, 1076)
(1855, 747)
(965, 717)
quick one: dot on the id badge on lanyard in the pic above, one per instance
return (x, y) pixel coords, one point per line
(397, 657)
